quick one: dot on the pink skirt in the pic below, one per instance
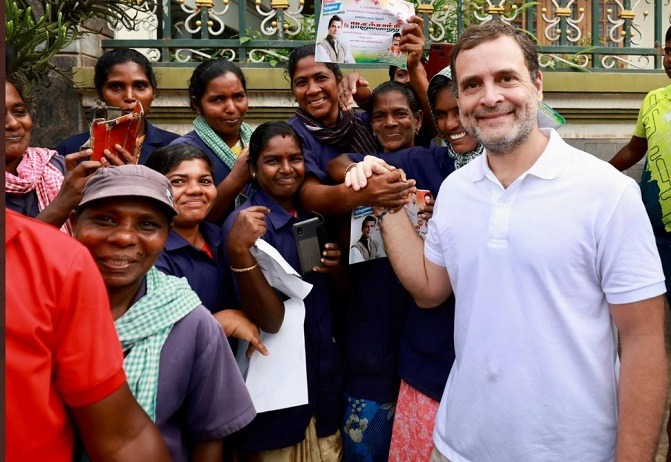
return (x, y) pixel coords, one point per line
(412, 435)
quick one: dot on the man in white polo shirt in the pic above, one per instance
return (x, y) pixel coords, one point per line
(550, 254)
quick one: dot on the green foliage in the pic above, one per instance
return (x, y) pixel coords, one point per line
(37, 36)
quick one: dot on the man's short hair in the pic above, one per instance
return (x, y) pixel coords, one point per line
(333, 19)
(667, 37)
(491, 30)
(366, 220)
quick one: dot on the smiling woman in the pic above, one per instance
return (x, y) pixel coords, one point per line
(218, 94)
(277, 165)
(179, 365)
(194, 249)
(39, 183)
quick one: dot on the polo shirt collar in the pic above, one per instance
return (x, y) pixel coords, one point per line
(548, 166)
(210, 233)
(277, 216)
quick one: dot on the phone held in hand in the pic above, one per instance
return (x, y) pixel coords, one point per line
(110, 127)
(310, 237)
(439, 58)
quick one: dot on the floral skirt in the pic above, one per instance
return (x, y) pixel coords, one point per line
(366, 430)
(412, 437)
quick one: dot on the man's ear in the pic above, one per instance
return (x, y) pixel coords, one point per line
(539, 85)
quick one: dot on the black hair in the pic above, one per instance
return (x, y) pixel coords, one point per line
(304, 52)
(333, 19)
(403, 89)
(120, 56)
(367, 219)
(20, 89)
(484, 32)
(667, 37)
(438, 83)
(392, 72)
(167, 158)
(396, 34)
(264, 133)
(208, 71)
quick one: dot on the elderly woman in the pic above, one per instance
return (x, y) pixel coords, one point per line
(179, 365)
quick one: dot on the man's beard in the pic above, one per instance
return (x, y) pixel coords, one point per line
(516, 133)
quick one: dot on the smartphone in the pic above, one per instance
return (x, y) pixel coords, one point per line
(439, 58)
(109, 127)
(310, 237)
(422, 194)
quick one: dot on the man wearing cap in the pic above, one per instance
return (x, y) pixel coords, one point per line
(63, 360)
(551, 260)
(177, 359)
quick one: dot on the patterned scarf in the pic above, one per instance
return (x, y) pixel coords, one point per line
(222, 150)
(462, 159)
(144, 328)
(36, 173)
(350, 134)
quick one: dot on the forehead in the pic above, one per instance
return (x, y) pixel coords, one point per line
(445, 100)
(279, 145)
(390, 100)
(12, 97)
(127, 71)
(307, 67)
(191, 166)
(130, 206)
(225, 82)
(489, 58)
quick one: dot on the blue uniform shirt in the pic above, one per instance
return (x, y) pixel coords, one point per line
(427, 341)
(208, 277)
(286, 427)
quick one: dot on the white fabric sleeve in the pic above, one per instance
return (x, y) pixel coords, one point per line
(627, 256)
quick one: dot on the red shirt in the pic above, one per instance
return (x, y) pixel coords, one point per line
(61, 346)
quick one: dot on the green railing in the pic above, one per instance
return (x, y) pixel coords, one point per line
(593, 35)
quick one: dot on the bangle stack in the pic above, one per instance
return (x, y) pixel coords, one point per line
(243, 270)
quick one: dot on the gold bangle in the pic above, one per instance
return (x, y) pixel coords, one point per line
(349, 167)
(243, 270)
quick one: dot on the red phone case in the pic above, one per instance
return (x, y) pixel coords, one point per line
(439, 58)
(122, 130)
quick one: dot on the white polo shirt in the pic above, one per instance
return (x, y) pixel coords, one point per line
(533, 268)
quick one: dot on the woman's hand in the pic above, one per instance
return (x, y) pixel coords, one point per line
(357, 176)
(249, 225)
(413, 41)
(330, 258)
(353, 88)
(78, 172)
(426, 211)
(236, 324)
(122, 157)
